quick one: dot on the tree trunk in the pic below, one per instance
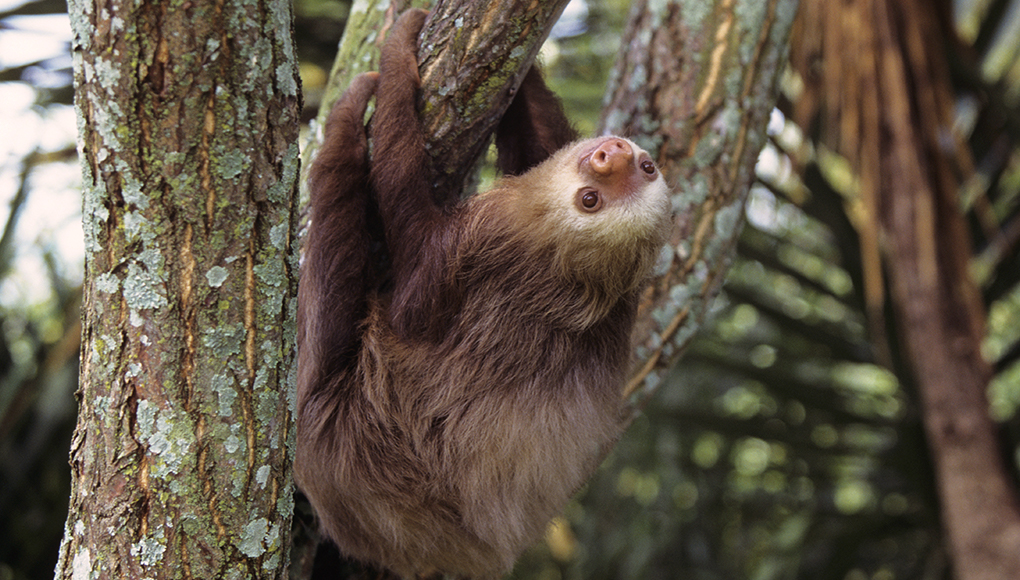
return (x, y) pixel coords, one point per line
(188, 126)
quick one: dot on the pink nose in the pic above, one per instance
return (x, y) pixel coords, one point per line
(612, 156)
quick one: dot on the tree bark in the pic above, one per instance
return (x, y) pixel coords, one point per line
(472, 56)
(188, 120)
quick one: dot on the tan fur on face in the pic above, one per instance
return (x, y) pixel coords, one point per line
(609, 252)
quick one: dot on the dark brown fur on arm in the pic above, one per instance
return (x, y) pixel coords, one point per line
(336, 275)
(417, 228)
(533, 127)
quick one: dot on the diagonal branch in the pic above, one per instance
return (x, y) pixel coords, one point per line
(472, 55)
(697, 93)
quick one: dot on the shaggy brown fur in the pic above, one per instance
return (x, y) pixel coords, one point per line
(443, 422)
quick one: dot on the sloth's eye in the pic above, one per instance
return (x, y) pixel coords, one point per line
(589, 200)
(648, 167)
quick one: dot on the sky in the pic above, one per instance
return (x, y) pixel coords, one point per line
(52, 214)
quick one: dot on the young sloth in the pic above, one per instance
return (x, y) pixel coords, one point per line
(442, 422)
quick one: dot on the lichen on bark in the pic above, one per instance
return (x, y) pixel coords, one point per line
(188, 118)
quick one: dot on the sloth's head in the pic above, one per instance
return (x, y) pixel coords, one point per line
(606, 208)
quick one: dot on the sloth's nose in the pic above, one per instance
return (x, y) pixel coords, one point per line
(612, 156)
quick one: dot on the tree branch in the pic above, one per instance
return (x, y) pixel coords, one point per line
(472, 56)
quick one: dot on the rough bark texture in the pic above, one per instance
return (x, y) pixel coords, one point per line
(875, 74)
(473, 55)
(188, 125)
(695, 85)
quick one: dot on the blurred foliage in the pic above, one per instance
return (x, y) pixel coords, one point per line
(780, 448)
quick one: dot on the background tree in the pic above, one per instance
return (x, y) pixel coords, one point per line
(894, 109)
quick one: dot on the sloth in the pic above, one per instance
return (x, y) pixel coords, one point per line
(448, 410)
